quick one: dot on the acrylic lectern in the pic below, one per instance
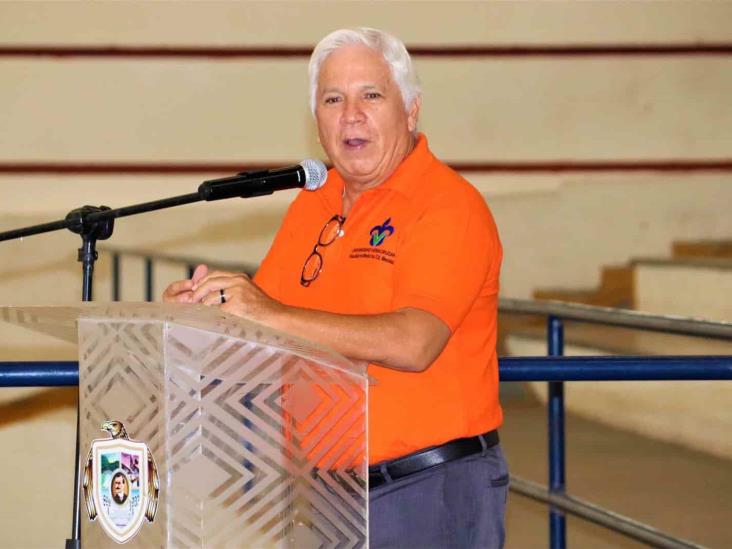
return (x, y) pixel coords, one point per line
(259, 437)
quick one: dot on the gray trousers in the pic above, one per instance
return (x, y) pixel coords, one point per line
(458, 504)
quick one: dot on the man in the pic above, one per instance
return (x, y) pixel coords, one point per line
(119, 488)
(394, 261)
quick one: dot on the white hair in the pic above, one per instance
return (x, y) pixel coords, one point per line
(390, 47)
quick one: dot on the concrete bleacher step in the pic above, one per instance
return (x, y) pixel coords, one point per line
(702, 248)
(695, 281)
(698, 287)
(615, 289)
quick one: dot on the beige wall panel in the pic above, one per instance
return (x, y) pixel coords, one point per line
(51, 195)
(33, 271)
(570, 109)
(155, 110)
(306, 22)
(37, 433)
(158, 111)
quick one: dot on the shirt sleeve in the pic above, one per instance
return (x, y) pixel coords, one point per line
(451, 255)
(269, 274)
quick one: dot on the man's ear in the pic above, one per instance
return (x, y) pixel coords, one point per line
(413, 114)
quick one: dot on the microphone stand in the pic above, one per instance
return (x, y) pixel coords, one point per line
(92, 223)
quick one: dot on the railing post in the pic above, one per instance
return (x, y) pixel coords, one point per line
(148, 279)
(115, 276)
(555, 413)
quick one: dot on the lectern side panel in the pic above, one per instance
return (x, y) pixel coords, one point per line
(121, 378)
(266, 449)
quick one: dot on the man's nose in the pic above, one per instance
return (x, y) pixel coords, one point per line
(352, 112)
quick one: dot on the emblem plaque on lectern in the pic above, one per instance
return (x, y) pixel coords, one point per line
(121, 484)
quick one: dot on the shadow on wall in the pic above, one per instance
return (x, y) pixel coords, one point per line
(25, 407)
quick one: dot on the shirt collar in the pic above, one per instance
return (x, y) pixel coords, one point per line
(405, 179)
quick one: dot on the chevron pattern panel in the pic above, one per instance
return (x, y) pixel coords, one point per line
(258, 443)
(253, 427)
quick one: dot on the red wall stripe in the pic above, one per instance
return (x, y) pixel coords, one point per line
(217, 52)
(141, 168)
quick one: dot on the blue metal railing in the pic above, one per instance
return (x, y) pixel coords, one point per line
(602, 369)
(555, 417)
(554, 369)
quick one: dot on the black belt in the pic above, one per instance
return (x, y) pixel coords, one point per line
(430, 457)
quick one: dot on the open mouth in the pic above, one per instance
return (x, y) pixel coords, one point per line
(354, 142)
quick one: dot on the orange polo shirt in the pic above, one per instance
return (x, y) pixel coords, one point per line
(425, 239)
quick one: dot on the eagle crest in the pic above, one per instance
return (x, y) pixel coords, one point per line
(121, 483)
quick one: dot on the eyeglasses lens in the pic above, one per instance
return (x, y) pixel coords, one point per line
(329, 232)
(312, 267)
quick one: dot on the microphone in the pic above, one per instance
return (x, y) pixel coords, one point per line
(310, 174)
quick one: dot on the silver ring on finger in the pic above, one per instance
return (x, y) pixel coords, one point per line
(222, 296)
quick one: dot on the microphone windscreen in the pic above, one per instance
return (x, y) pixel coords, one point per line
(315, 173)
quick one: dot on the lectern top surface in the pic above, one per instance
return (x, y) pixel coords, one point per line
(60, 321)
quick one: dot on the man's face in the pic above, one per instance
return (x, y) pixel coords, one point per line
(118, 486)
(362, 123)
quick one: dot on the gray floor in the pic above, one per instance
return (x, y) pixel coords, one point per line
(677, 490)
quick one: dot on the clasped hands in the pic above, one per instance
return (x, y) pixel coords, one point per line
(242, 298)
(233, 293)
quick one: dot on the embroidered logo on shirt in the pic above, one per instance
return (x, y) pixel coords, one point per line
(380, 232)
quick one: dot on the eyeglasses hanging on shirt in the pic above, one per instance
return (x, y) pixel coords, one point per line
(314, 262)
